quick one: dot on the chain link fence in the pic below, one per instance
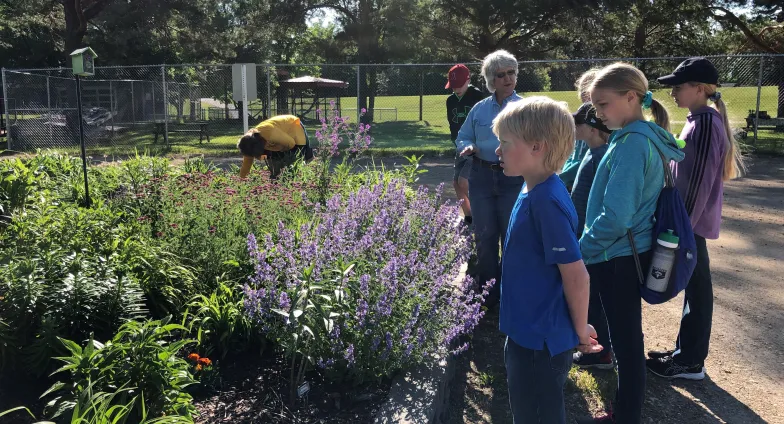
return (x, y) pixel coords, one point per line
(150, 107)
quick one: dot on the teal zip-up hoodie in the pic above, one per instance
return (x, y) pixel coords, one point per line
(625, 192)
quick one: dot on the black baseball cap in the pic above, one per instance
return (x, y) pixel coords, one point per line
(586, 114)
(693, 69)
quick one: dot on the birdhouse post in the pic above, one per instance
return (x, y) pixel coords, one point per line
(83, 65)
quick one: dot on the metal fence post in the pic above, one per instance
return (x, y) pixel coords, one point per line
(165, 106)
(7, 114)
(152, 92)
(421, 92)
(49, 108)
(269, 94)
(133, 105)
(359, 109)
(759, 98)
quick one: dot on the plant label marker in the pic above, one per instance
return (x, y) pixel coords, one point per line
(303, 389)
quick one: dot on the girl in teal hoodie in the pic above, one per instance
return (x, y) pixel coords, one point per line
(623, 199)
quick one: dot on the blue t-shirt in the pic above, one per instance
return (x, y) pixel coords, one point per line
(541, 235)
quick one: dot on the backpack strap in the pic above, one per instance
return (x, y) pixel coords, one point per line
(636, 258)
(669, 180)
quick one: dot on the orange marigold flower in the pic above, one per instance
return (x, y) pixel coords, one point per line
(193, 356)
(198, 367)
(205, 361)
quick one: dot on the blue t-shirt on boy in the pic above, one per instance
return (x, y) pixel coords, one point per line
(541, 235)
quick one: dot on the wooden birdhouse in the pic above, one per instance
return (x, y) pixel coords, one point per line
(83, 62)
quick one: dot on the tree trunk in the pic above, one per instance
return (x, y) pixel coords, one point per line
(74, 33)
(74, 29)
(364, 91)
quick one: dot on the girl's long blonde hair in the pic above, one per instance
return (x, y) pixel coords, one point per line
(734, 165)
(623, 77)
(583, 84)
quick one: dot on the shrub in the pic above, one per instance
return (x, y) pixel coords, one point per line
(365, 288)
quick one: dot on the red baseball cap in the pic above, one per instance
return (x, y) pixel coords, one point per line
(458, 75)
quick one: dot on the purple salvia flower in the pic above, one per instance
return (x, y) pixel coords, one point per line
(420, 336)
(349, 356)
(284, 302)
(362, 310)
(335, 332)
(409, 349)
(364, 280)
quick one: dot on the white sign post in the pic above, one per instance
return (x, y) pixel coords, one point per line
(243, 77)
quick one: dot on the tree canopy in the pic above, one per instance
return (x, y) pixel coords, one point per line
(37, 33)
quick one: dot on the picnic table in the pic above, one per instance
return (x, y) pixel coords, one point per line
(764, 121)
(200, 127)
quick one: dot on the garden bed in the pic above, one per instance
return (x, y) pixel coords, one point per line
(167, 284)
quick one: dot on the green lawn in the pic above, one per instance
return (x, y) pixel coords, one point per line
(398, 130)
(739, 101)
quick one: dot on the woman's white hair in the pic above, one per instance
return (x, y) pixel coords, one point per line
(492, 63)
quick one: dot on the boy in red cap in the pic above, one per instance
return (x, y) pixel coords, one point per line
(464, 97)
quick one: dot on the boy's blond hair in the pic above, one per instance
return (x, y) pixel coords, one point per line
(541, 119)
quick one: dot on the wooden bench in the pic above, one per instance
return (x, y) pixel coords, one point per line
(190, 127)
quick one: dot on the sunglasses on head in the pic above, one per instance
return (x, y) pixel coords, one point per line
(510, 72)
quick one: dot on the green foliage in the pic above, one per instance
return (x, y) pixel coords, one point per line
(53, 293)
(219, 322)
(311, 319)
(141, 357)
(67, 271)
(204, 218)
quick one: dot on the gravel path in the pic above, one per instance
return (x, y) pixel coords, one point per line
(745, 366)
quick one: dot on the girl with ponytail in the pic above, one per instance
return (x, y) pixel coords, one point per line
(712, 157)
(621, 205)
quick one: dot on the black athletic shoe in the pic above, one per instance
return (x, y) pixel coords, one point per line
(671, 369)
(601, 361)
(608, 418)
(658, 354)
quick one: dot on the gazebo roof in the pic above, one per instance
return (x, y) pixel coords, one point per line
(307, 82)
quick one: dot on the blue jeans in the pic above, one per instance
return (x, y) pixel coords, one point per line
(536, 381)
(492, 195)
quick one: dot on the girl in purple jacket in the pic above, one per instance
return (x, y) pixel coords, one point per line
(712, 157)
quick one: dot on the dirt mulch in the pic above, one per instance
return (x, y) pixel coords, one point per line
(254, 389)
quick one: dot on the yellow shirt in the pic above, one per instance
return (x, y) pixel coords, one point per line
(282, 133)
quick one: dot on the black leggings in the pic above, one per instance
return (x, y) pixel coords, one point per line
(619, 290)
(276, 161)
